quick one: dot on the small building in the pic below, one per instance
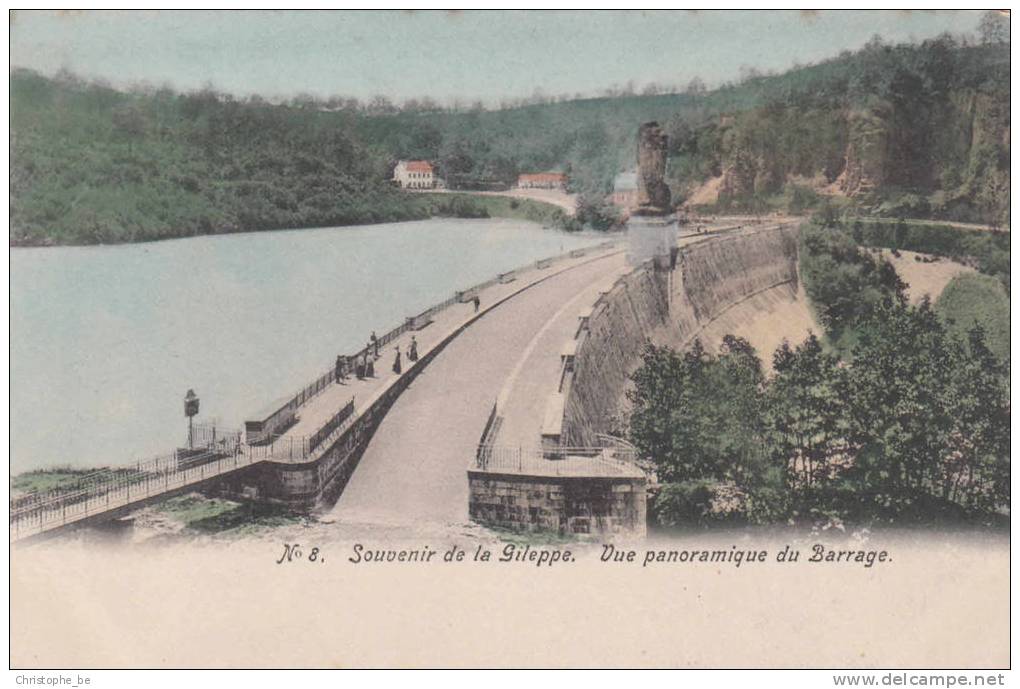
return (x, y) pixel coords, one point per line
(542, 180)
(625, 190)
(414, 174)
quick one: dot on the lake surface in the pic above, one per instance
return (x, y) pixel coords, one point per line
(106, 340)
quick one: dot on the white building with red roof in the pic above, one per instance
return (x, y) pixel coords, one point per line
(414, 174)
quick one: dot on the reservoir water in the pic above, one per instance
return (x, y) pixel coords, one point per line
(106, 340)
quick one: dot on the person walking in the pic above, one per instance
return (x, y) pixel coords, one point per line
(374, 341)
(341, 373)
(369, 366)
(477, 302)
(412, 355)
(396, 361)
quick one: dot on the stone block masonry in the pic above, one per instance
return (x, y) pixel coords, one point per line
(714, 275)
(667, 306)
(608, 345)
(564, 505)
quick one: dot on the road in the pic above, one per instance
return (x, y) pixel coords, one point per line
(556, 197)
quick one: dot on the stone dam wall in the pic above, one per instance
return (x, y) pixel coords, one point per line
(609, 341)
(665, 303)
(716, 274)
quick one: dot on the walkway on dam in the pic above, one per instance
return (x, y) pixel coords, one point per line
(317, 411)
(414, 468)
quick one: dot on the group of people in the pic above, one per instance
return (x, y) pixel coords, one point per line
(363, 365)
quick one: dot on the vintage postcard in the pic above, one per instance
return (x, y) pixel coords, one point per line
(516, 339)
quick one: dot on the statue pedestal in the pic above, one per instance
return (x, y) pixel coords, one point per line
(650, 236)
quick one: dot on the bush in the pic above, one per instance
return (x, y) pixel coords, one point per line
(684, 504)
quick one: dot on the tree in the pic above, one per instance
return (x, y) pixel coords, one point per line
(993, 27)
(130, 123)
(663, 395)
(596, 211)
(901, 404)
(696, 416)
(804, 415)
(976, 466)
(695, 87)
(845, 283)
(737, 381)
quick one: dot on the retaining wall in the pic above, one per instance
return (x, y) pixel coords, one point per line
(564, 505)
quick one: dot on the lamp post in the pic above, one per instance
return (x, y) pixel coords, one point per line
(190, 410)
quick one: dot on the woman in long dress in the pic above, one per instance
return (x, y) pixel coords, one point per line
(396, 362)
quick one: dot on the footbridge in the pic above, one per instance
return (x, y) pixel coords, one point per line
(499, 418)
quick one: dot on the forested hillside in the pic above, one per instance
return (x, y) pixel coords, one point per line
(900, 131)
(908, 130)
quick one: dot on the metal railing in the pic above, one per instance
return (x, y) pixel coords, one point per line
(277, 447)
(117, 487)
(324, 380)
(489, 433)
(345, 413)
(559, 461)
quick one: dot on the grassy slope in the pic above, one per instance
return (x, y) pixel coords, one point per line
(977, 299)
(48, 479)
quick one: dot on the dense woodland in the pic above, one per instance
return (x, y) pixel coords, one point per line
(913, 130)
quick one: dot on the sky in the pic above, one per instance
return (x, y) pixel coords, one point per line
(464, 55)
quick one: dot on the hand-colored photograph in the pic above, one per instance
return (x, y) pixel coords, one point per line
(509, 339)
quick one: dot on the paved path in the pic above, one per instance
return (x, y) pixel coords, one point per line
(561, 199)
(414, 468)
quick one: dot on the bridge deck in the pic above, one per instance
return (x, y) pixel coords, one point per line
(118, 496)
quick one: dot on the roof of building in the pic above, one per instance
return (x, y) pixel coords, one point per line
(417, 165)
(543, 177)
(626, 181)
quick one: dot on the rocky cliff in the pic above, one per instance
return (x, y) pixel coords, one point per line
(920, 132)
